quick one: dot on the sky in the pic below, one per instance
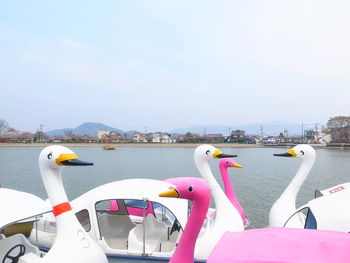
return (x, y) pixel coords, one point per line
(173, 64)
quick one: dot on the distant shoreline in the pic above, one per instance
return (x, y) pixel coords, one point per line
(185, 145)
(233, 145)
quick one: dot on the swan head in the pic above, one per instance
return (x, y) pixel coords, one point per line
(229, 162)
(206, 152)
(57, 156)
(301, 151)
(190, 188)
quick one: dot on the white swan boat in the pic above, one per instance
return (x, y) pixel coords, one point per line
(227, 217)
(126, 218)
(328, 211)
(285, 206)
(14, 224)
(72, 243)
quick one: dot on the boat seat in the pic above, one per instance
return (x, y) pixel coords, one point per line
(18, 228)
(43, 233)
(42, 238)
(30, 258)
(19, 244)
(169, 245)
(155, 233)
(115, 229)
(46, 224)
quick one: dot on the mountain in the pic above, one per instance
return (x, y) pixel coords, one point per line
(129, 133)
(58, 132)
(92, 128)
(268, 128)
(87, 128)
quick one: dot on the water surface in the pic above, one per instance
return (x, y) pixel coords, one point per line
(257, 185)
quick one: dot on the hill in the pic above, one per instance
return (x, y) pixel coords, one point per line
(87, 128)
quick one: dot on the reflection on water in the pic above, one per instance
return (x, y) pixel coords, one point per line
(258, 184)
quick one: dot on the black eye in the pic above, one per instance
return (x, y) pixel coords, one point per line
(49, 156)
(302, 152)
(207, 152)
(227, 162)
(190, 189)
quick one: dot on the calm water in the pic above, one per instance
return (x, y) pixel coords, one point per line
(257, 185)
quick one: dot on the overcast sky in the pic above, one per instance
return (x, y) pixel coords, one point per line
(171, 64)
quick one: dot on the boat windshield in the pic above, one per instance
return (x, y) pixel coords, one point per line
(305, 216)
(310, 222)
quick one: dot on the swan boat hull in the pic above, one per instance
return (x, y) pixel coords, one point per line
(329, 211)
(20, 207)
(126, 218)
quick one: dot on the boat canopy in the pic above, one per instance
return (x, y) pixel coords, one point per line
(332, 211)
(328, 212)
(335, 189)
(17, 205)
(282, 245)
(133, 189)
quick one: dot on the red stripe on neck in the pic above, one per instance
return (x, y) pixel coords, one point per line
(61, 208)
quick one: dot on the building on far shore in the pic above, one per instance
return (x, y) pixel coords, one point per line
(161, 137)
(16, 136)
(290, 140)
(329, 135)
(139, 137)
(239, 136)
(214, 138)
(188, 138)
(111, 137)
(101, 134)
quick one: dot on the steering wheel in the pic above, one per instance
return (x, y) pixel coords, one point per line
(17, 250)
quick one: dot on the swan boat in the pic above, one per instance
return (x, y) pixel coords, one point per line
(285, 206)
(72, 243)
(229, 191)
(126, 218)
(256, 245)
(227, 217)
(20, 208)
(328, 211)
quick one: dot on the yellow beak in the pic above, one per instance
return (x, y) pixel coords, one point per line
(64, 157)
(292, 153)
(237, 165)
(170, 193)
(216, 153)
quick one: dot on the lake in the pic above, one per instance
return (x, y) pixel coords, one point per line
(257, 185)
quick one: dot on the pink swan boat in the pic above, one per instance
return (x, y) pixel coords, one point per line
(257, 245)
(197, 191)
(223, 165)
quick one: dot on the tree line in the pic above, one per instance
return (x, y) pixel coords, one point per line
(338, 127)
